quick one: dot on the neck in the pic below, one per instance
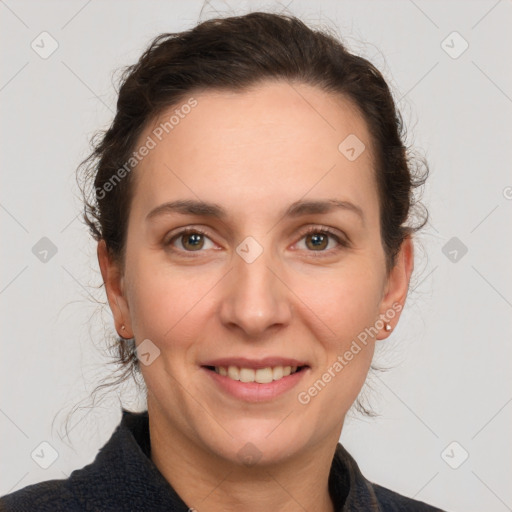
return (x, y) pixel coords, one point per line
(209, 483)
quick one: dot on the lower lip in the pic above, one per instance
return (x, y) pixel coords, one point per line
(253, 391)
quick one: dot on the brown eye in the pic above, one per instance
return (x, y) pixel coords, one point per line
(317, 241)
(192, 241)
(189, 240)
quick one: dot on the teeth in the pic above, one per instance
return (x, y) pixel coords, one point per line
(264, 375)
(234, 373)
(246, 375)
(261, 375)
(277, 373)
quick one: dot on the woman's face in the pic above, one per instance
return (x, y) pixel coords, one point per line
(248, 287)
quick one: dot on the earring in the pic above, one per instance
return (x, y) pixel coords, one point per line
(123, 328)
(388, 327)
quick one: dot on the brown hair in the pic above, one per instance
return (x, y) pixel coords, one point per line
(233, 54)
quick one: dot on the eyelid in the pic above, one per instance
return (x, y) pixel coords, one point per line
(324, 229)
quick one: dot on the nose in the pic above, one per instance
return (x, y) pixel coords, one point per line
(256, 299)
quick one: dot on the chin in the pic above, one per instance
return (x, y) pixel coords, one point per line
(259, 442)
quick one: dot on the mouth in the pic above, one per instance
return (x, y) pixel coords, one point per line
(255, 381)
(260, 375)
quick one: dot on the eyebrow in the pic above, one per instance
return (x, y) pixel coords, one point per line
(297, 209)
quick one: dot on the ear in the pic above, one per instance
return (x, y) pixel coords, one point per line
(397, 286)
(114, 287)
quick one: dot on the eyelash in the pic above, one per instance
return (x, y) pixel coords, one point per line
(342, 243)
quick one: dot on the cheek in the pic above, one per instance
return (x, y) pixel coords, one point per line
(345, 302)
(163, 300)
(347, 306)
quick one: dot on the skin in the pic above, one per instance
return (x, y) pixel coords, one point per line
(253, 153)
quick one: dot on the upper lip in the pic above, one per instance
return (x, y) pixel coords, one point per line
(244, 362)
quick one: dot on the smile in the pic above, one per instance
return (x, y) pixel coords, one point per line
(260, 375)
(255, 381)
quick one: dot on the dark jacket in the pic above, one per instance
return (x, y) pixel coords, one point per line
(123, 478)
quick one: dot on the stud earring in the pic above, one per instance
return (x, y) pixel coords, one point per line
(123, 327)
(388, 327)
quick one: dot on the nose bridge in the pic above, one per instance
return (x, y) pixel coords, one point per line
(257, 298)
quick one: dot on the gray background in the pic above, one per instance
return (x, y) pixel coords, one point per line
(451, 352)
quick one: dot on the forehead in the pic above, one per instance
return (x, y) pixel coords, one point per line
(268, 145)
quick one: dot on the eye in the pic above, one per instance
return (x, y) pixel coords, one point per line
(317, 239)
(190, 240)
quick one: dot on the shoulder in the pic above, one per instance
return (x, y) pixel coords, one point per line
(355, 492)
(121, 477)
(391, 501)
(51, 495)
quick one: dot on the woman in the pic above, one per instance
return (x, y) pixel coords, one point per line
(250, 205)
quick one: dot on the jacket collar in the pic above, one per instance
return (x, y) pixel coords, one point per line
(122, 476)
(124, 472)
